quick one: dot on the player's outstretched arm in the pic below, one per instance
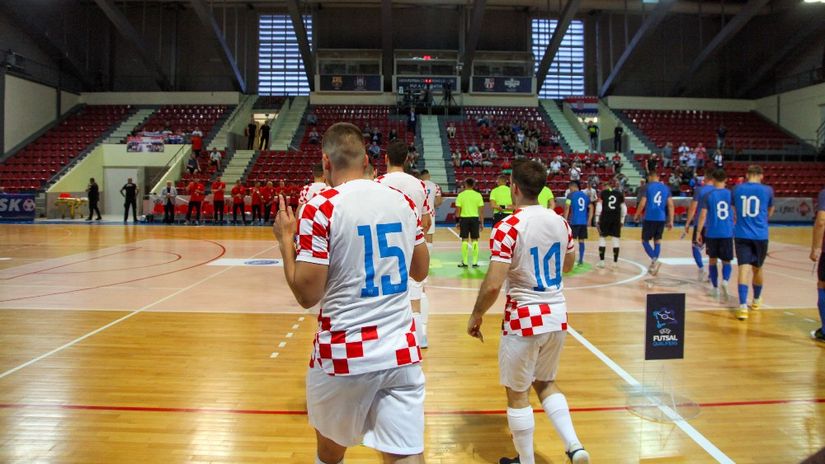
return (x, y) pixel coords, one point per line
(420, 265)
(487, 295)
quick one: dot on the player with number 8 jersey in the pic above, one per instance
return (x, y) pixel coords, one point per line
(530, 249)
(364, 382)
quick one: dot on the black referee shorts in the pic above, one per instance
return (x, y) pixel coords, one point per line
(469, 227)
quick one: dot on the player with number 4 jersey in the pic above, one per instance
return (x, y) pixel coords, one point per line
(753, 202)
(530, 249)
(657, 204)
(364, 383)
(715, 229)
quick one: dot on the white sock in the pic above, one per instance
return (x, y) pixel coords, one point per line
(522, 425)
(555, 406)
(616, 242)
(602, 243)
(319, 461)
(419, 326)
(430, 247)
(425, 312)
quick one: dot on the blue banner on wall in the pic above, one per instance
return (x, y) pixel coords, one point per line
(416, 83)
(348, 83)
(503, 84)
(17, 207)
(665, 328)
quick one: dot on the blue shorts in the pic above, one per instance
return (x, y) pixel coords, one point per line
(652, 230)
(720, 248)
(579, 232)
(751, 252)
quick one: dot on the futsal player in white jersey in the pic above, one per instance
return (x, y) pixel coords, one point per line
(317, 186)
(396, 158)
(364, 383)
(530, 249)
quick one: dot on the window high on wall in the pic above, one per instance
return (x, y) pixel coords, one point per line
(566, 75)
(280, 66)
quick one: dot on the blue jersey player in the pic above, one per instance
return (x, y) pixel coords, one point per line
(818, 252)
(579, 213)
(656, 202)
(753, 203)
(715, 229)
(693, 215)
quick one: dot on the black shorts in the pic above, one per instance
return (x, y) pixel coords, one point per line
(751, 252)
(719, 248)
(579, 232)
(653, 230)
(821, 269)
(610, 229)
(497, 217)
(469, 227)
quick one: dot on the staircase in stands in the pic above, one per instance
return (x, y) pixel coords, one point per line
(129, 125)
(433, 151)
(575, 143)
(637, 143)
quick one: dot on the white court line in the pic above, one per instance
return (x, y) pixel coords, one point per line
(117, 321)
(677, 419)
(281, 345)
(289, 335)
(454, 233)
(274, 355)
(295, 326)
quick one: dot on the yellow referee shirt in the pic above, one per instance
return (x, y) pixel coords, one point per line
(545, 196)
(501, 195)
(470, 202)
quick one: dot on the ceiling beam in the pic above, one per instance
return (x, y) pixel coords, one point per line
(204, 12)
(125, 28)
(723, 37)
(387, 45)
(567, 16)
(303, 41)
(656, 17)
(49, 44)
(794, 43)
(472, 42)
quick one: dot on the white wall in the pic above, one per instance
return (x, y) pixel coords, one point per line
(29, 107)
(67, 101)
(161, 98)
(658, 103)
(800, 111)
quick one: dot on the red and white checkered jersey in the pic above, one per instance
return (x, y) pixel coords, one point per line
(410, 186)
(534, 241)
(366, 323)
(309, 191)
(433, 191)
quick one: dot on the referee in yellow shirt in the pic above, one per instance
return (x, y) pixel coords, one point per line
(501, 201)
(469, 206)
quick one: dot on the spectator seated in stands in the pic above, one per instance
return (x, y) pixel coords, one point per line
(485, 131)
(456, 157)
(492, 154)
(314, 137)
(600, 160)
(594, 181)
(466, 161)
(366, 132)
(215, 158)
(376, 135)
(477, 158)
(312, 119)
(675, 183)
(555, 166)
(718, 160)
(555, 140)
(576, 172)
(374, 151)
(701, 155)
(393, 135)
(451, 130)
(683, 151)
(667, 155)
(472, 148)
(412, 154)
(192, 165)
(691, 161)
(617, 163)
(520, 138)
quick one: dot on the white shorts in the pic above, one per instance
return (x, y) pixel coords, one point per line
(384, 410)
(431, 230)
(523, 360)
(416, 289)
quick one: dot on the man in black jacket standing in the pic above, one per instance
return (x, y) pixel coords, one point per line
(251, 128)
(93, 191)
(129, 192)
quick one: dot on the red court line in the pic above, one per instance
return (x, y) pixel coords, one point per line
(286, 412)
(113, 284)
(85, 260)
(177, 258)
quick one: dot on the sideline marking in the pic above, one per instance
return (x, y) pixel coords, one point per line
(674, 416)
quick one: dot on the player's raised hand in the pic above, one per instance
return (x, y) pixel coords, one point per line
(284, 227)
(474, 327)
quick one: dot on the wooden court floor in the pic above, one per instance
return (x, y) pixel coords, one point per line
(148, 344)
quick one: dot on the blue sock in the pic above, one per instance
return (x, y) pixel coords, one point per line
(697, 256)
(743, 294)
(727, 270)
(581, 251)
(757, 291)
(821, 305)
(657, 250)
(713, 273)
(648, 249)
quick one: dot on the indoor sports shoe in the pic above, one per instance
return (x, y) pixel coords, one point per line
(757, 303)
(423, 342)
(713, 293)
(723, 293)
(702, 276)
(614, 266)
(578, 455)
(514, 460)
(742, 312)
(654, 268)
(818, 335)
(462, 265)
(600, 264)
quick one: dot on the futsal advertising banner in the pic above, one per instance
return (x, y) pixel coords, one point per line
(503, 85)
(17, 207)
(341, 83)
(416, 83)
(145, 144)
(665, 327)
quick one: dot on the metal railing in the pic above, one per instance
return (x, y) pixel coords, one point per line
(165, 170)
